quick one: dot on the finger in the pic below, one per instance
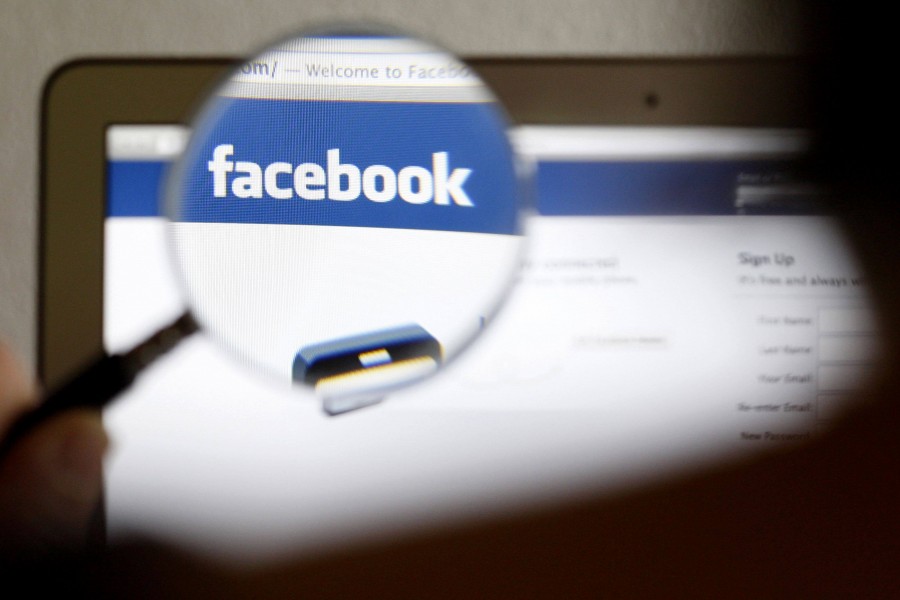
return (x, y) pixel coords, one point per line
(16, 389)
(50, 483)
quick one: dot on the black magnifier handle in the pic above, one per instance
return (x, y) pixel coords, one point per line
(101, 381)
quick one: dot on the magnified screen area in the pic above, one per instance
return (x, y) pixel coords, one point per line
(347, 206)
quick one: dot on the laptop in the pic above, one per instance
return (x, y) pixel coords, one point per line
(683, 301)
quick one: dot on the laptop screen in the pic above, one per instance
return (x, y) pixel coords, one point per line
(682, 301)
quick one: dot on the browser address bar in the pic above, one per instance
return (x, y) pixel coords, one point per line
(366, 69)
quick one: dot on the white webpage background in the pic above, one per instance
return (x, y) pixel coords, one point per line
(631, 348)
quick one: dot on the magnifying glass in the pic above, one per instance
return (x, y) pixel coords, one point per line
(346, 216)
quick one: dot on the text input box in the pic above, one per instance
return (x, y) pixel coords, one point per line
(846, 320)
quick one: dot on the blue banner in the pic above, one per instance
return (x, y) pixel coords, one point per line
(133, 188)
(674, 187)
(599, 188)
(436, 166)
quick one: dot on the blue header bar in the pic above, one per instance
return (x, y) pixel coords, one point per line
(578, 188)
(134, 188)
(673, 187)
(436, 166)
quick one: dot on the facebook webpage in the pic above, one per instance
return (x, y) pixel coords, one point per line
(681, 301)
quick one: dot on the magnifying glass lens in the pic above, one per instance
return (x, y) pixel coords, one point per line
(346, 214)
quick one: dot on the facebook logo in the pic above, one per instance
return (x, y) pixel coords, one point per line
(337, 181)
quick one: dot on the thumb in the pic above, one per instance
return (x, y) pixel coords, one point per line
(50, 484)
